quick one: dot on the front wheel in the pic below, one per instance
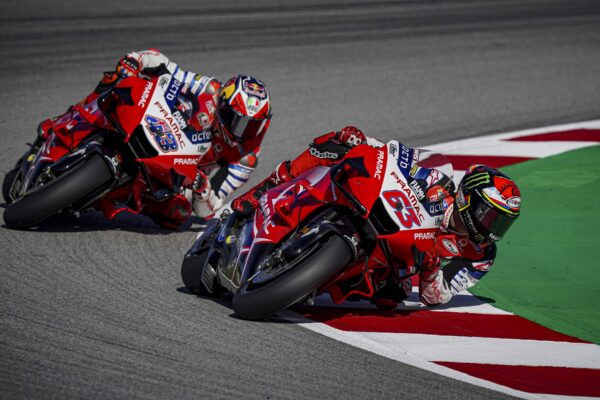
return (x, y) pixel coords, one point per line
(8, 184)
(256, 302)
(192, 270)
(85, 179)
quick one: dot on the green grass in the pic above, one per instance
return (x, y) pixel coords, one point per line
(548, 268)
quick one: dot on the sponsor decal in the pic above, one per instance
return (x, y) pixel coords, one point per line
(323, 154)
(185, 161)
(145, 94)
(435, 208)
(433, 177)
(404, 209)
(162, 133)
(450, 246)
(379, 165)
(463, 242)
(417, 189)
(199, 137)
(405, 160)
(410, 195)
(514, 202)
(393, 149)
(180, 119)
(255, 89)
(466, 217)
(176, 131)
(262, 202)
(424, 235)
(172, 92)
(218, 147)
(413, 171)
(415, 155)
(475, 180)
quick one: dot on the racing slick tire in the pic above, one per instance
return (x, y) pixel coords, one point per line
(327, 260)
(192, 269)
(84, 179)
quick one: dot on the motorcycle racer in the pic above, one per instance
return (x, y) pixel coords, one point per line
(227, 123)
(475, 216)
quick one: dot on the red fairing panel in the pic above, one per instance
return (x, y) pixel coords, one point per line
(131, 110)
(160, 167)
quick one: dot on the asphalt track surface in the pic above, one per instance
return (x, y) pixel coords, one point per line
(90, 308)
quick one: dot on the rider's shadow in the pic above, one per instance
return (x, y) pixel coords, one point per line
(125, 221)
(325, 310)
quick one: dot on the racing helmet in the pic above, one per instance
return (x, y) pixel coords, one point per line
(488, 203)
(244, 109)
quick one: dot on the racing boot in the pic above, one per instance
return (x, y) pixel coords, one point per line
(391, 293)
(170, 213)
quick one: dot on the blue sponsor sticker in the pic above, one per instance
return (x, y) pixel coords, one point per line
(203, 136)
(172, 92)
(405, 160)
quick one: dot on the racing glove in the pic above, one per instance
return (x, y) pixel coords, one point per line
(433, 289)
(244, 204)
(129, 66)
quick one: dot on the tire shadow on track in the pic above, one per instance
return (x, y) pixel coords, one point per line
(225, 301)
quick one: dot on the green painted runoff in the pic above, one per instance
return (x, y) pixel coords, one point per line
(548, 269)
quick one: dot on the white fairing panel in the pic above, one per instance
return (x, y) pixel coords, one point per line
(398, 197)
(163, 129)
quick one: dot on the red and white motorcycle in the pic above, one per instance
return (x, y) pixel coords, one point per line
(337, 230)
(120, 152)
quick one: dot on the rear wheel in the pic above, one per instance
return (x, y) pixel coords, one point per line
(326, 261)
(85, 179)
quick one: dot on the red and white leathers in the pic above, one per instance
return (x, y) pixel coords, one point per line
(224, 166)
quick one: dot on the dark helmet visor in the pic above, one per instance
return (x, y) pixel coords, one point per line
(241, 127)
(490, 221)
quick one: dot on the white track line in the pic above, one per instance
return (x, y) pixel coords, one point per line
(403, 357)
